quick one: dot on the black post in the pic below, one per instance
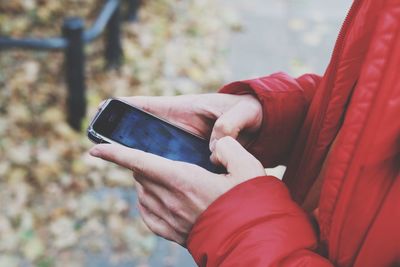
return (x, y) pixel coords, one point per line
(75, 71)
(133, 7)
(113, 47)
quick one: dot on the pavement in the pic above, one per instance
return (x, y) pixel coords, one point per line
(294, 36)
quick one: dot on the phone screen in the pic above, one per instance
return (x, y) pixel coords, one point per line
(137, 129)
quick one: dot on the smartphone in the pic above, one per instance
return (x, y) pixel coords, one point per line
(120, 122)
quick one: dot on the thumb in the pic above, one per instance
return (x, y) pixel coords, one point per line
(229, 153)
(241, 116)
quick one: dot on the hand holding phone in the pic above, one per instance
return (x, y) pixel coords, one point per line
(172, 194)
(117, 121)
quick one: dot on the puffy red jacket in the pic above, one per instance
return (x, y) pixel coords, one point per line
(339, 135)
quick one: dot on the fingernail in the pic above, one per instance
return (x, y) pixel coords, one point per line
(212, 144)
(95, 152)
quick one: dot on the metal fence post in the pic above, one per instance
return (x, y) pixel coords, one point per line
(75, 71)
(113, 47)
(133, 6)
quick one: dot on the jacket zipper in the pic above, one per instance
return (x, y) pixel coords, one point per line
(337, 51)
(361, 148)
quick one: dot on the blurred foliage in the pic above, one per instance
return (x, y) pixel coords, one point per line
(58, 205)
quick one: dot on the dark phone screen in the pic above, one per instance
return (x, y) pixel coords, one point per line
(134, 128)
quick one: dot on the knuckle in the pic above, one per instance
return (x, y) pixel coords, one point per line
(182, 229)
(141, 194)
(178, 215)
(179, 218)
(142, 201)
(222, 127)
(138, 168)
(183, 189)
(152, 227)
(182, 226)
(174, 207)
(177, 226)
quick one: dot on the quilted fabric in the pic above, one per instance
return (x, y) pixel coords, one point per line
(339, 136)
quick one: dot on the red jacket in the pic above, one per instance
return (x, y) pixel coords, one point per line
(339, 135)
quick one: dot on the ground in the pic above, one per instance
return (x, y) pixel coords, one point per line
(60, 207)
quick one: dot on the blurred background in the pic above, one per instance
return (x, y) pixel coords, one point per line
(61, 207)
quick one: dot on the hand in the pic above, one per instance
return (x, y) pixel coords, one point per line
(208, 115)
(172, 194)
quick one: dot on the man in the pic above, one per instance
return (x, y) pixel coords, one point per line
(339, 135)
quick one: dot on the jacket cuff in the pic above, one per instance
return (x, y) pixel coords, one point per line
(284, 101)
(258, 213)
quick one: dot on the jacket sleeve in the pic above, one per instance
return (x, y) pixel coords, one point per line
(255, 224)
(285, 102)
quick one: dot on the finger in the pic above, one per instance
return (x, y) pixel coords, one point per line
(158, 226)
(159, 169)
(243, 115)
(163, 203)
(151, 203)
(238, 161)
(164, 104)
(152, 104)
